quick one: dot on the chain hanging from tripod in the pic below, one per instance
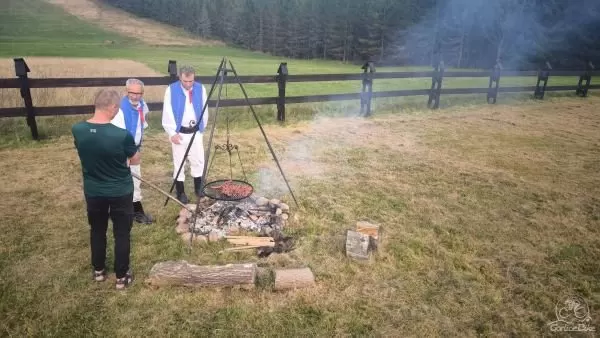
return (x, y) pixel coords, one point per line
(227, 189)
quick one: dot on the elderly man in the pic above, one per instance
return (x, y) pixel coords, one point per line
(132, 115)
(104, 150)
(181, 118)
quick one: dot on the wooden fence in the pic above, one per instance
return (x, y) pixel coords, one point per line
(367, 76)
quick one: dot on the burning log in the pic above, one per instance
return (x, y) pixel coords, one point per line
(181, 273)
(293, 279)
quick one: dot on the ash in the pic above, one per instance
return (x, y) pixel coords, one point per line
(253, 214)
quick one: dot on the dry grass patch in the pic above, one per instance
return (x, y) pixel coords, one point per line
(116, 20)
(489, 214)
(61, 67)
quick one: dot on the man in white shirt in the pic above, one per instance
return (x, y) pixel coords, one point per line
(132, 115)
(181, 118)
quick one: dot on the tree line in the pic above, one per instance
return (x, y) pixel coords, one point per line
(462, 33)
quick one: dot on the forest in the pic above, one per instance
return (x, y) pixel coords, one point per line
(521, 34)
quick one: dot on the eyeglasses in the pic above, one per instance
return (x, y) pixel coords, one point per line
(134, 93)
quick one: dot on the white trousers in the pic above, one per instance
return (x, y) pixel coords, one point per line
(137, 192)
(195, 157)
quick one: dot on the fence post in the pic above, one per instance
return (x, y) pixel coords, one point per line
(21, 70)
(436, 86)
(495, 82)
(367, 88)
(543, 75)
(587, 77)
(172, 69)
(282, 74)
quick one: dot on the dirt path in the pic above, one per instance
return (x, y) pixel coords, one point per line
(149, 31)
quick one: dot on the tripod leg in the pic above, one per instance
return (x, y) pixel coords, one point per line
(262, 131)
(212, 132)
(204, 173)
(223, 64)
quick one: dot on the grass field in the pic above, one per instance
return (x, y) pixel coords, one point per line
(490, 213)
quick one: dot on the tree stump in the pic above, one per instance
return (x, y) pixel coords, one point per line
(293, 279)
(181, 273)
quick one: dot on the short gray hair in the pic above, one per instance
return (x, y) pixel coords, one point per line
(130, 82)
(187, 70)
(106, 98)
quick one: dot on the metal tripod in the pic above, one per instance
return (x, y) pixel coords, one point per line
(220, 78)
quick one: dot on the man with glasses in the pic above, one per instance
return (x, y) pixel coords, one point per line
(132, 115)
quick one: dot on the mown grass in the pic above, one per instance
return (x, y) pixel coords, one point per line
(490, 216)
(490, 212)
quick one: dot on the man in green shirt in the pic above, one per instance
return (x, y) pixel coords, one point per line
(105, 152)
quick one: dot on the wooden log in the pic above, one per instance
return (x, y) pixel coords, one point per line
(181, 273)
(251, 240)
(374, 232)
(293, 279)
(357, 245)
(368, 229)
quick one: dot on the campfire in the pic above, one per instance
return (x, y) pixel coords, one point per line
(217, 219)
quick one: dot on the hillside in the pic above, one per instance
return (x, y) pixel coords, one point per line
(124, 23)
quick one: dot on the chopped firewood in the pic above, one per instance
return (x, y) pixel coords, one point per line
(287, 279)
(357, 245)
(251, 240)
(368, 229)
(241, 248)
(372, 230)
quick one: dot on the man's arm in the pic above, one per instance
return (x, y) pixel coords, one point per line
(205, 116)
(131, 150)
(119, 120)
(145, 111)
(168, 121)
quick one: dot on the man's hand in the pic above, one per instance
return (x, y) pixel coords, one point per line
(135, 159)
(176, 139)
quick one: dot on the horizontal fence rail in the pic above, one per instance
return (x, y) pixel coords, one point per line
(25, 84)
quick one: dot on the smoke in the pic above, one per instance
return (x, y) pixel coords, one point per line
(300, 161)
(521, 33)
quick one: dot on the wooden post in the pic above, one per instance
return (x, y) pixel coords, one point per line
(367, 88)
(543, 75)
(494, 83)
(281, 83)
(184, 274)
(21, 70)
(582, 90)
(436, 86)
(172, 69)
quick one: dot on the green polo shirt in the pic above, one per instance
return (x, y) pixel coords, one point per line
(103, 150)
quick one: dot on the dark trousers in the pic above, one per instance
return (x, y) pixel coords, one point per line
(120, 210)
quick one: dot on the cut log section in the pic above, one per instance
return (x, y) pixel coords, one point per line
(373, 230)
(181, 273)
(357, 245)
(368, 229)
(289, 279)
